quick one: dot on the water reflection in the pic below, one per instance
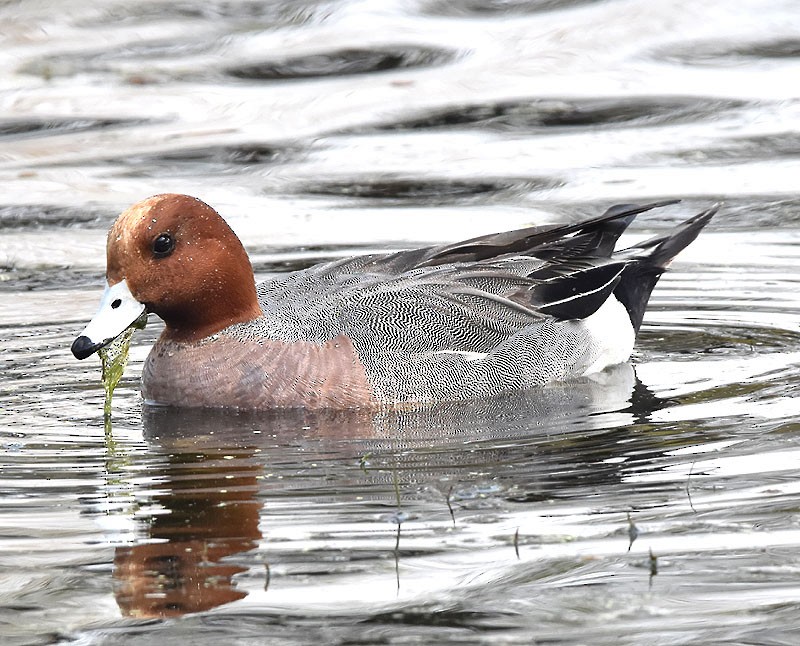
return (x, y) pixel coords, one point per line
(205, 489)
(207, 510)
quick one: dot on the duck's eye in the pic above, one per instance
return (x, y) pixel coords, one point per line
(163, 245)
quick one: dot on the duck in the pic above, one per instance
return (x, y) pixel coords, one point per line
(500, 313)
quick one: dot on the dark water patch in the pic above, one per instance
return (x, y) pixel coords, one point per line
(476, 621)
(784, 48)
(290, 629)
(43, 127)
(730, 53)
(243, 154)
(135, 63)
(535, 114)
(14, 278)
(737, 211)
(189, 161)
(712, 339)
(206, 159)
(255, 14)
(752, 211)
(29, 352)
(46, 216)
(770, 147)
(279, 260)
(480, 9)
(342, 62)
(428, 191)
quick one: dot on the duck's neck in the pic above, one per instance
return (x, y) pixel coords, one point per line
(223, 305)
(182, 332)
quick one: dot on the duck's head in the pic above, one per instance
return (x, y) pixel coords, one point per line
(174, 256)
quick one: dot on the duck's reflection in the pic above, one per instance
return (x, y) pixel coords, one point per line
(204, 487)
(207, 510)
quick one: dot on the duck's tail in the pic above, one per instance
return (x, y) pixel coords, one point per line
(649, 259)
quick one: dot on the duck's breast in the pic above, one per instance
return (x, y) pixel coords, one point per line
(227, 372)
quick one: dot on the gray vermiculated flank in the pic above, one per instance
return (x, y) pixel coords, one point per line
(409, 330)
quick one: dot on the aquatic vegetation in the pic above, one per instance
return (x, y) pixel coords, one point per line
(113, 359)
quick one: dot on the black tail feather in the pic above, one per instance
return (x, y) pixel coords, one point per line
(534, 239)
(649, 259)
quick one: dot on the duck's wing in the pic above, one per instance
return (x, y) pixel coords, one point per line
(462, 306)
(500, 282)
(571, 289)
(561, 270)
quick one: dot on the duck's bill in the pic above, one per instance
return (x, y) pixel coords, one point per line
(118, 311)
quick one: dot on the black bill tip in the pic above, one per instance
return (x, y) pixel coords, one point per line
(83, 347)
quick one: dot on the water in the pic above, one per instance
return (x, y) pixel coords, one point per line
(654, 504)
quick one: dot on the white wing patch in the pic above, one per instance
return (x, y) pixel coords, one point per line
(468, 356)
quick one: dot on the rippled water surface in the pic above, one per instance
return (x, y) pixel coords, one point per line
(656, 503)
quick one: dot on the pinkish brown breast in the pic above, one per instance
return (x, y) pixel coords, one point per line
(223, 372)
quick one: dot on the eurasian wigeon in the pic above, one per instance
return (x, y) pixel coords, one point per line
(494, 314)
